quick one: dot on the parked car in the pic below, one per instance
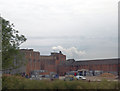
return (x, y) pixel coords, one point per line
(80, 77)
(32, 76)
(47, 76)
(68, 78)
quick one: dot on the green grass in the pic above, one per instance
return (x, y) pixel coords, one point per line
(16, 82)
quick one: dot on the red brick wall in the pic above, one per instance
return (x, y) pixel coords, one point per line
(103, 67)
(52, 64)
(32, 60)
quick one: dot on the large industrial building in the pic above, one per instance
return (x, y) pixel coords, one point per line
(45, 64)
(57, 63)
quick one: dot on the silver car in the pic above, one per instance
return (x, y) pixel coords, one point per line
(80, 77)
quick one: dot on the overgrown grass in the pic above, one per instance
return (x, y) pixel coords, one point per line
(16, 82)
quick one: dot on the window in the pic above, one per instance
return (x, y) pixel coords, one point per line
(34, 60)
(38, 60)
(30, 54)
(29, 60)
(34, 63)
(57, 58)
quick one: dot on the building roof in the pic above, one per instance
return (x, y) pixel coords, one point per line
(97, 61)
(71, 62)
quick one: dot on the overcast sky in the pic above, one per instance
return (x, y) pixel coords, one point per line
(81, 29)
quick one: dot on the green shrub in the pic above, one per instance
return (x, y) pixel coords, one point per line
(16, 82)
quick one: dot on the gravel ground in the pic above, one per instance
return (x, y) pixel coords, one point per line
(98, 78)
(94, 78)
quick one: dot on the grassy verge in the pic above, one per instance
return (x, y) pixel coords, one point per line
(16, 82)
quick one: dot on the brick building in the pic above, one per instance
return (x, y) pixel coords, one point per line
(32, 59)
(49, 63)
(57, 63)
(105, 65)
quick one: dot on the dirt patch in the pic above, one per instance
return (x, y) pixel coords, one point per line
(107, 75)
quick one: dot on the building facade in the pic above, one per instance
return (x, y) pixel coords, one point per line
(47, 64)
(57, 63)
(103, 65)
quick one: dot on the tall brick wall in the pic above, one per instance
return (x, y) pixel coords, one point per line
(56, 62)
(47, 63)
(32, 58)
(106, 65)
(37, 62)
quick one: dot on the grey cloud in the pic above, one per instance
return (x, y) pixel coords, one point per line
(89, 25)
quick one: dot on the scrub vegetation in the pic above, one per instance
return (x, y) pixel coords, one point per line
(17, 82)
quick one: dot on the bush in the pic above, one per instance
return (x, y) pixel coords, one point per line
(17, 82)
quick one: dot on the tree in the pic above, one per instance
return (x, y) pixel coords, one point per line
(11, 40)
